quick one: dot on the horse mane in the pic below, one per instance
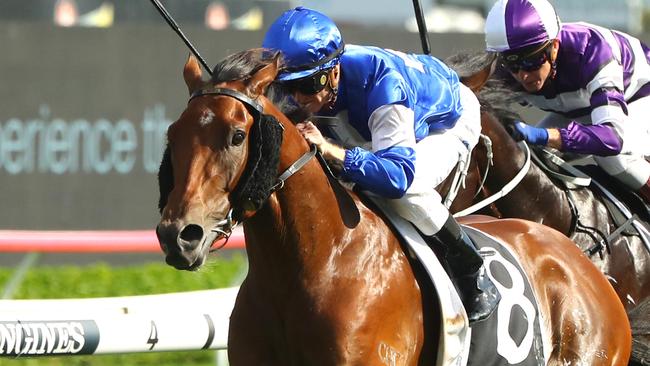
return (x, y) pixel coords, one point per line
(242, 65)
(501, 94)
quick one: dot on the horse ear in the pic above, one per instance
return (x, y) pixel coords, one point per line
(263, 78)
(192, 74)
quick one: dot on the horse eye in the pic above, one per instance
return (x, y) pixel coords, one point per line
(238, 137)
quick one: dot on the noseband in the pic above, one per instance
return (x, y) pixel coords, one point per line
(254, 186)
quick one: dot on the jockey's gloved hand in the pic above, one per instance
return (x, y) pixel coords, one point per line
(533, 135)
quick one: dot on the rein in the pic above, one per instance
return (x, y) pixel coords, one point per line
(461, 173)
(295, 167)
(251, 194)
(577, 179)
(504, 191)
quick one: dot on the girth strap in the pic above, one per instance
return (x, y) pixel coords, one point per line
(604, 243)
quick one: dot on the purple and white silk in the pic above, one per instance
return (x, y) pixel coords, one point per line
(599, 72)
(515, 24)
(589, 139)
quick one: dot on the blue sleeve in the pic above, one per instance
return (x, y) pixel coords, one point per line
(388, 172)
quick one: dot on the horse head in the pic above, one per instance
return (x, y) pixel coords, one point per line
(222, 156)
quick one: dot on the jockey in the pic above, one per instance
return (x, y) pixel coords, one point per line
(407, 106)
(595, 83)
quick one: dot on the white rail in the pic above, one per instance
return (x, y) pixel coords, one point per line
(150, 323)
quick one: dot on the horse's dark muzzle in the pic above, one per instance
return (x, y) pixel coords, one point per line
(182, 247)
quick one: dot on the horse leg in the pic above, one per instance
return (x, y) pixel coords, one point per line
(247, 344)
(640, 333)
(587, 326)
(579, 339)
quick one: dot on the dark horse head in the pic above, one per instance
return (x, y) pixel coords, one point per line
(319, 292)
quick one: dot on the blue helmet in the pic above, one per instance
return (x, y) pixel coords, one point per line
(515, 24)
(309, 41)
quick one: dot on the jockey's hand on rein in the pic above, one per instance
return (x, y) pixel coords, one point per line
(533, 135)
(311, 133)
(330, 151)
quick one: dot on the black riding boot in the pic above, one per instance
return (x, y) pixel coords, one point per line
(464, 265)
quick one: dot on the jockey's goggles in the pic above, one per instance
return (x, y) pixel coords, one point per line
(527, 60)
(309, 85)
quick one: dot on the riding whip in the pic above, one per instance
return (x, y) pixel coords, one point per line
(422, 27)
(177, 29)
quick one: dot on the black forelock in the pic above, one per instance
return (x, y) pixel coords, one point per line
(470, 63)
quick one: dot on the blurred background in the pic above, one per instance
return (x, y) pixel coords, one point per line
(88, 88)
(443, 15)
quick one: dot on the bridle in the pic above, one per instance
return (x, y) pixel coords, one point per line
(224, 228)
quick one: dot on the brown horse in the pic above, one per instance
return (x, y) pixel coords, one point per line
(318, 291)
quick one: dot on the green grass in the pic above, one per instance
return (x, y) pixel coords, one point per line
(101, 280)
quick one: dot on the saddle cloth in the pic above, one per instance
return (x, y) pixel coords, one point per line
(512, 335)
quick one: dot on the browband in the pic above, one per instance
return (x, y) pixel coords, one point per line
(257, 107)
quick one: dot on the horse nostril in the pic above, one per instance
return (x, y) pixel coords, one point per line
(190, 237)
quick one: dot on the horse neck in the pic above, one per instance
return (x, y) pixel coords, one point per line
(294, 232)
(536, 197)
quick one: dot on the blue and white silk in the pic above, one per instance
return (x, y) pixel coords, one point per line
(425, 95)
(420, 120)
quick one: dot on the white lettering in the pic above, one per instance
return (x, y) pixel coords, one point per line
(56, 146)
(38, 338)
(77, 337)
(9, 339)
(57, 150)
(511, 296)
(13, 152)
(154, 130)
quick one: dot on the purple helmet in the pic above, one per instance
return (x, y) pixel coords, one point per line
(309, 41)
(515, 24)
